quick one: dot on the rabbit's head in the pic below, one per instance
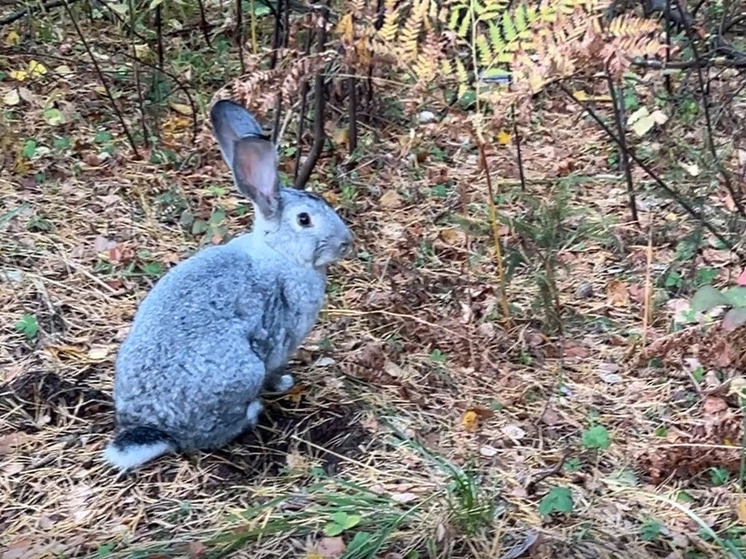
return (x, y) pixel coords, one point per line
(298, 224)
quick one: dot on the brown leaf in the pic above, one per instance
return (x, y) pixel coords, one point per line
(8, 443)
(197, 550)
(714, 406)
(617, 294)
(390, 199)
(741, 510)
(331, 548)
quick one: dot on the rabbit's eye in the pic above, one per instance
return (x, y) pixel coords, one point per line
(304, 220)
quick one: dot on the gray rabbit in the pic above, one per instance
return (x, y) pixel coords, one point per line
(220, 327)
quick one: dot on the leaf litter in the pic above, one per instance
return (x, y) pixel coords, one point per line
(408, 361)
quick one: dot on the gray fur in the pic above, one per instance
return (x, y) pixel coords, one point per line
(222, 325)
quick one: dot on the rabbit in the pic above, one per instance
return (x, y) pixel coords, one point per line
(219, 328)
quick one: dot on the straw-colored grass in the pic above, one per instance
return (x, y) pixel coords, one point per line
(415, 409)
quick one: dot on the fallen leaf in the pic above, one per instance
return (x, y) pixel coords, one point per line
(513, 432)
(341, 136)
(741, 510)
(12, 38)
(331, 548)
(12, 468)
(26, 95)
(580, 95)
(453, 237)
(742, 278)
(98, 353)
(8, 443)
(36, 69)
(487, 451)
(404, 498)
(617, 294)
(714, 405)
(18, 75)
(503, 138)
(470, 420)
(63, 70)
(390, 199)
(12, 98)
(181, 108)
(17, 549)
(197, 550)
(691, 168)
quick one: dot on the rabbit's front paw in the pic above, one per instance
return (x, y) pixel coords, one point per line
(283, 383)
(252, 412)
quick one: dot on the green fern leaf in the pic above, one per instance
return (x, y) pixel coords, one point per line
(496, 39)
(453, 20)
(463, 28)
(483, 48)
(508, 27)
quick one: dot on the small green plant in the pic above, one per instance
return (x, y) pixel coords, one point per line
(28, 326)
(437, 356)
(470, 506)
(573, 464)
(341, 522)
(650, 530)
(597, 437)
(708, 297)
(559, 499)
(29, 148)
(719, 476)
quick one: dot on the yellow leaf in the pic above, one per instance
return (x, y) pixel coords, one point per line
(345, 29)
(12, 39)
(470, 419)
(503, 138)
(18, 75)
(181, 108)
(36, 69)
(63, 70)
(341, 136)
(331, 197)
(741, 510)
(671, 217)
(580, 95)
(12, 98)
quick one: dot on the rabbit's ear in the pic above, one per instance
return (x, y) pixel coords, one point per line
(255, 172)
(230, 123)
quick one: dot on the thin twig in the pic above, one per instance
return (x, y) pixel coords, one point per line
(136, 73)
(518, 151)
(203, 23)
(618, 106)
(318, 115)
(495, 234)
(239, 34)
(302, 113)
(29, 10)
(352, 113)
(105, 85)
(646, 316)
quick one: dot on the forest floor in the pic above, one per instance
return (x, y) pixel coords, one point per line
(424, 423)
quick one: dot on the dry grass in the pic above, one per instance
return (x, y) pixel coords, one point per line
(410, 344)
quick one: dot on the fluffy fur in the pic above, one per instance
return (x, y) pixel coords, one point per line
(221, 326)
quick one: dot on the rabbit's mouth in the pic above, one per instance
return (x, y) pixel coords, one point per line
(327, 253)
